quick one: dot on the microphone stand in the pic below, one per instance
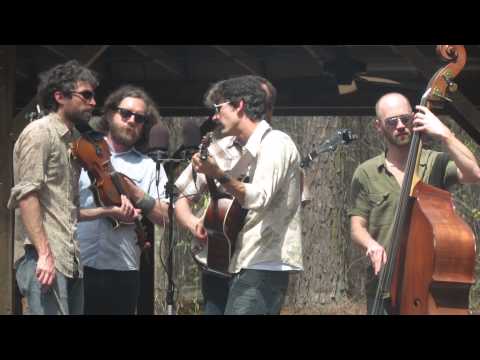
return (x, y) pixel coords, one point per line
(169, 187)
(170, 165)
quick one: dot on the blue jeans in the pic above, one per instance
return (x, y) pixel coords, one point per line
(65, 296)
(250, 292)
(215, 293)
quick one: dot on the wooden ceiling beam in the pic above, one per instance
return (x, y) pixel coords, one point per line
(56, 51)
(240, 57)
(316, 57)
(159, 58)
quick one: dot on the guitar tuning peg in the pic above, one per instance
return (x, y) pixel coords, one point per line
(444, 98)
(437, 93)
(452, 86)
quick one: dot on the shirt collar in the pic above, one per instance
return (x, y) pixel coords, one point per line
(234, 142)
(253, 142)
(132, 150)
(380, 162)
(59, 125)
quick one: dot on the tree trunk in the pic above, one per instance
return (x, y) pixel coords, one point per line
(334, 268)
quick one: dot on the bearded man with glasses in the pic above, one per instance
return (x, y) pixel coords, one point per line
(45, 192)
(376, 183)
(111, 256)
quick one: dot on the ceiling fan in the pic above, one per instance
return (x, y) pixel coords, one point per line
(344, 89)
(350, 72)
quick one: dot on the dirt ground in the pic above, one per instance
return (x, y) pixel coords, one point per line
(347, 307)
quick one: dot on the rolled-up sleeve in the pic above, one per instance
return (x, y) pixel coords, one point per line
(358, 196)
(189, 188)
(29, 163)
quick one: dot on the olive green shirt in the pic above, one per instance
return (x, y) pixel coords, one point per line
(375, 192)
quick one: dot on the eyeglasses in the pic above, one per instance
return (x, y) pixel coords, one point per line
(127, 114)
(219, 106)
(392, 122)
(86, 94)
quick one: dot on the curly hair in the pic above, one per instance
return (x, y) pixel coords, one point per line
(247, 88)
(116, 97)
(271, 98)
(63, 78)
(270, 89)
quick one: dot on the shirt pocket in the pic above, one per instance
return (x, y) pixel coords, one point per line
(56, 168)
(381, 209)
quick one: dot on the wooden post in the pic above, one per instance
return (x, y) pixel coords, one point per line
(7, 90)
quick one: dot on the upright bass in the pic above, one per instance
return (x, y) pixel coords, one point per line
(431, 257)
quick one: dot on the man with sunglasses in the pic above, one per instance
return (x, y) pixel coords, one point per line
(45, 192)
(376, 183)
(111, 256)
(269, 246)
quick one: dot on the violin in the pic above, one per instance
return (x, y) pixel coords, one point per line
(93, 153)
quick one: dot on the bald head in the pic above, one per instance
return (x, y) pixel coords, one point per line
(392, 104)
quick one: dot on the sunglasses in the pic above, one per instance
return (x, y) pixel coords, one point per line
(86, 94)
(392, 122)
(219, 106)
(127, 114)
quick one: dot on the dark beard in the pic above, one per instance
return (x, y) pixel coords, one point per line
(395, 141)
(79, 117)
(123, 137)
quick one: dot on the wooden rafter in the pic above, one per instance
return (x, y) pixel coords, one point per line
(159, 58)
(319, 59)
(240, 58)
(56, 51)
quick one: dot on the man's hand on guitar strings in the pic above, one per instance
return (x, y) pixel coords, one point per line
(208, 167)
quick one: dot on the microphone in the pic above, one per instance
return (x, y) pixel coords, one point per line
(158, 141)
(191, 141)
(208, 125)
(342, 137)
(191, 136)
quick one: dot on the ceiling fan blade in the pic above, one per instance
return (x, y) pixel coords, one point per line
(344, 89)
(376, 79)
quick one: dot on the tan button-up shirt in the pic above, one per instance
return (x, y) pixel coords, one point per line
(271, 237)
(42, 163)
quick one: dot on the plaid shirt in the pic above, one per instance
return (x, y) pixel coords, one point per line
(42, 163)
(271, 236)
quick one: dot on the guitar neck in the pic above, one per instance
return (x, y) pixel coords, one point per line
(213, 189)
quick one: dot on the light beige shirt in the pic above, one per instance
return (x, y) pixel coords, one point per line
(271, 237)
(42, 163)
